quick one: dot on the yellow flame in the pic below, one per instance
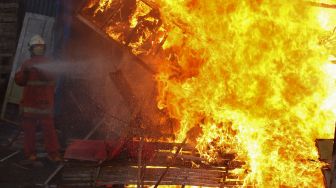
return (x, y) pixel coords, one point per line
(141, 10)
(103, 5)
(252, 75)
(327, 18)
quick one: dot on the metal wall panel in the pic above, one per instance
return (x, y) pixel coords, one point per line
(44, 7)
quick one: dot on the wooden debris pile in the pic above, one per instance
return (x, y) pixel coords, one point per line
(187, 169)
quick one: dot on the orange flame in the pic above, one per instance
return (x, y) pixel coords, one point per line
(251, 75)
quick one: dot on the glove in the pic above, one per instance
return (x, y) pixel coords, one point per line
(28, 69)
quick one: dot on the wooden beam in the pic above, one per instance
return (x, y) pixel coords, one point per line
(139, 184)
(122, 174)
(323, 5)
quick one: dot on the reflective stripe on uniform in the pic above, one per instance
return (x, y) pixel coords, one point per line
(39, 83)
(37, 110)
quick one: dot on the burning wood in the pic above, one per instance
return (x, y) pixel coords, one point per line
(133, 23)
(324, 5)
(181, 172)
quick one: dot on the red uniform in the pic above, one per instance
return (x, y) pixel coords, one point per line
(37, 103)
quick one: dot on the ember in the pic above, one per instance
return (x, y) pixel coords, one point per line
(249, 75)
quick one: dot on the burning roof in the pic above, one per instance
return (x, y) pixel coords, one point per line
(132, 23)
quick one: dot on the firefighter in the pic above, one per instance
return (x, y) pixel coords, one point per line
(37, 101)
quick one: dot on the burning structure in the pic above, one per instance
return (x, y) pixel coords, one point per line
(245, 79)
(240, 91)
(248, 76)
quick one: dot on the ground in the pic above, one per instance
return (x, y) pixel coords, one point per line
(16, 172)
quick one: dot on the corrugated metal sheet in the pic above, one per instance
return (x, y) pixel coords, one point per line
(44, 7)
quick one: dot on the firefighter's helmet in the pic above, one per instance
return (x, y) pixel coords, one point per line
(36, 39)
(37, 45)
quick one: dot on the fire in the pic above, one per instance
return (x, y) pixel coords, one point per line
(327, 18)
(103, 5)
(133, 23)
(252, 76)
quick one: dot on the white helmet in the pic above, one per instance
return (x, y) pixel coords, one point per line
(36, 40)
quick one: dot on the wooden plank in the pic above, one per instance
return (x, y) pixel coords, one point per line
(4, 27)
(323, 5)
(9, 10)
(147, 176)
(157, 171)
(127, 175)
(233, 184)
(6, 63)
(7, 51)
(5, 69)
(6, 43)
(9, 35)
(5, 59)
(171, 181)
(6, 54)
(183, 161)
(188, 163)
(7, 19)
(168, 178)
(325, 149)
(333, 163)
(9, 5)
(176, 171)
(7, 46)
(4, 15)
(150, 178)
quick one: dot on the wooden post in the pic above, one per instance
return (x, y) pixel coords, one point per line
(140, 162)
(332, 174)
(172, 162)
